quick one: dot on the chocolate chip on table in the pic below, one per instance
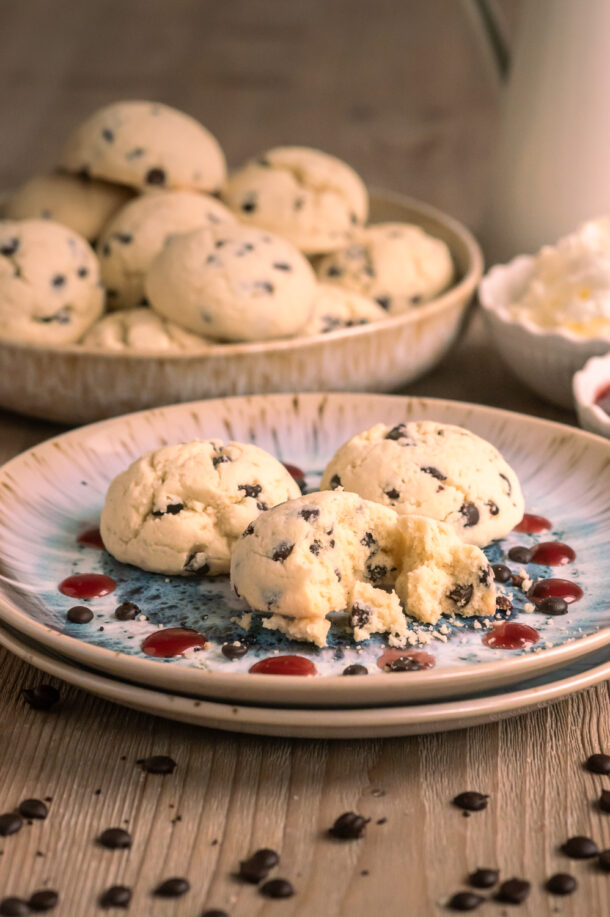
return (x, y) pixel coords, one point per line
(520, 554)
(603, 860)
(127, 611)
(234, 650)
(404, 663)
(155, 176)
(553, 605)
(471, 801)
(116, 896)
(44, 900)
(282, 551)
(10, 823)
(502, 573)
(349, 826)
(355, 669)
(257, 867)
(115, 839)
(465, 901)
(41, 697)
(604, 801)
(79, 614)
(157, 764)
(470, 513)
(562, 883)
(173, 888)
(580, 848)
(33, 808)
(598, 764)
(484, 878)
(14, 907)
(461, 594)
(514, 891)
(277, 888)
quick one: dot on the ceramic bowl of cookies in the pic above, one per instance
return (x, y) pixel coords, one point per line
(138, 274)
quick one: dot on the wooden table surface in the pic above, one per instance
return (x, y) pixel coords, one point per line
(408, 93)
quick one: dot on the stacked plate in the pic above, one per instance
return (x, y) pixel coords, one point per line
(52, 494)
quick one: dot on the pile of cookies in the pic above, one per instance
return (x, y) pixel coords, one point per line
(184, 257)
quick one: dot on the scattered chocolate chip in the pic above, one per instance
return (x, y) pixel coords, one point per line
(315, 547)
(157, 764)
(562, 883)
(598, 763)
(44, 900)
(403, 664)
(465, 901)
(172, 888)
(127, 611)
(257, 867)
(335, 482)
(9, 247)
(116, 896)
(79, 614)
(470, 513)
(553, 605)
(234, 650)
(349, 826)
(14, 907)
(501, 572)
(520, 554)
(461, 594)
(484, 878)
(516, 580)
(514, 891)
(277, 888)
(41, 697)
(355, 669)
(282, 551)
(115, 839)
(155, 176)
(172, 509)
(604, 801)
(603, 860)
(392, 494)
(10, 823)
(580, 848)
(33, 808)
(471, 801)
(384, 301)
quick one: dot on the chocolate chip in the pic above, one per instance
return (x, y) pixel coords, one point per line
(384, 301)
(509, 487)
(282, 551)
(9, 247)
(79, 614)
(520, 554)
(315, 547)
(580, 848)
(115, 839)
(250, 490)
(501, 572)
(553, 605)
(127, 611)
(108, 135)
(377, 572)
(299, 203)
(333, 270)
(234, 650)
(471, 801)
(603, 860)
(461, 594)
(214, 913)
(257, 867)
(84, 173)
(355, 669)
(514, 891)
(33, 808)
(398, 432)
(516, 580)
(598, 763)
(335, 482)
(135, 153)
(219, 459)
(83, 272)
(44, 900)
(338, 575)
(157, 764)
(392, 494)
(277, 888)
(360, 615)
(470, 513)
(403, 664)
(485, 575)
(562, 883)
(10, 823)
(503, 603)
(125, 238)
(430, 469)
(61, 317)
(172, 509)
(14, 907)
(116, 896)
(349, 827)
(265, 286)
(604, 801)
(309, 512)
(58, 280)
(249, 530)
(172, 888)
(465, 901)
(494, 509)
(249, 204)
(483, 878)
(282, 266)
(368, 540)
(41, 697)
(155, 176)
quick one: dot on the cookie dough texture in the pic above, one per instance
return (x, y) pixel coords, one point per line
(311, 198)
(136, 235)
(83, 205)
(435, 470)
(232, 283)
(50, 290)
(334, 552)
(180, 509)
(146, 145)
(141, 331)
(335, 308)
(396, 264)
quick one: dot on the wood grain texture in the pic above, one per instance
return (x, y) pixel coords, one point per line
(402, 91)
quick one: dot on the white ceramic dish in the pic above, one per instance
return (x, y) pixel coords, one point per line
(78, 385)
(544, 360)
(51, 493)
(587, 384)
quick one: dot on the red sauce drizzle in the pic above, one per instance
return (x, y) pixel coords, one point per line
(553, 554)
(510, 635)
(425, 660)
(567, 590)
(172, 641)
(297, 473)
(87, 585)
(91, 539)
(284, 665)
(602, 399)
(533, 524)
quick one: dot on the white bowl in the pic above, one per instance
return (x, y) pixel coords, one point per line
(77, 385)
(544, 360)
(592, 378)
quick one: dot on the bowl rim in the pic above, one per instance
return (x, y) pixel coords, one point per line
(464, 288)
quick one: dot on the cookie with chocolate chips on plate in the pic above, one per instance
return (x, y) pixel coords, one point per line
(334, 308)
(141, 331)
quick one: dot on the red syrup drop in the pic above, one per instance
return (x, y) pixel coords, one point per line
(297, 473)
(552, 554)
(421, 660)
(172, 641)
(602, 399)
(533, 524)
(91, 539)
(284, 665)
(87, 585)
(564, 588)
(510, 635)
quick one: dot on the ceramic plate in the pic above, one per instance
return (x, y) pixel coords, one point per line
(367, 723)
(56, 490)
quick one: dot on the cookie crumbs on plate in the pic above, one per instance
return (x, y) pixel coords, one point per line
(528, 608)
(476, 625)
